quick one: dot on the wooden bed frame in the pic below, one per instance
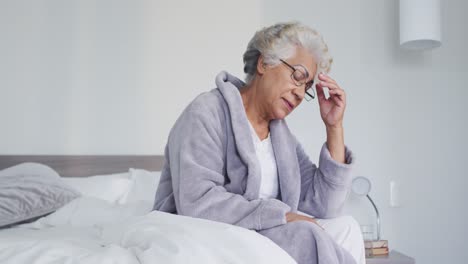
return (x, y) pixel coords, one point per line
(82, 166)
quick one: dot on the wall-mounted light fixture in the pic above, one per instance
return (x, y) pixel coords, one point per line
(420, 24)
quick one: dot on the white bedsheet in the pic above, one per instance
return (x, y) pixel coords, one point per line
(90, 230)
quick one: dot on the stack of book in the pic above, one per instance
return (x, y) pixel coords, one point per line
(376, 248)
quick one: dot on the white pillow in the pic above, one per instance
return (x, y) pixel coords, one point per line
(29, 191)
(113, 188)
(144, 185)
(29, 168)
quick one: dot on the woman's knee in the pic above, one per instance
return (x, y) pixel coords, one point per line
(298, 231)
(352, 225)
(345, 222)
(350, 222)
(298, 238)
(342, 229)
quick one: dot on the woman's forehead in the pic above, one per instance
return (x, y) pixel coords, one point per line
(304, 58)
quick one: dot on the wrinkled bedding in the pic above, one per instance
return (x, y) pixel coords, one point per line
(89, 230)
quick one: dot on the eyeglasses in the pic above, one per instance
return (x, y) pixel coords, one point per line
(299, 76)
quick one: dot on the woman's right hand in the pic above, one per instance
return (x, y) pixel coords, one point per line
(291, 217)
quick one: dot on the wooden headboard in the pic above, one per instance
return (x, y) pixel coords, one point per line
(82, 166)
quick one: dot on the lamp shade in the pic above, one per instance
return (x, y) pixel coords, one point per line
(420, 24)
(361, 185)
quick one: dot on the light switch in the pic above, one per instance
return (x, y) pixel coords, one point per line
(394, 194)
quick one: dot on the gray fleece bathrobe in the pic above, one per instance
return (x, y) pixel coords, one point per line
(212, 172)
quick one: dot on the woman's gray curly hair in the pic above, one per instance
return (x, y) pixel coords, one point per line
(279, 42)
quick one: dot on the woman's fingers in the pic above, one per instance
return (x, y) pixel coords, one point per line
(332, 90)
(338, 92)
(309, 219)
(329, 85)
(320, 93)
(338, 96)
(291, 217)
(325, 78)
(326, 81)
(313, 221)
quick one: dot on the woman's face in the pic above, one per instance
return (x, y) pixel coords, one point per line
(279, 93)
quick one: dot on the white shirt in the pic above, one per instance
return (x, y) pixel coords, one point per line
(269, 185)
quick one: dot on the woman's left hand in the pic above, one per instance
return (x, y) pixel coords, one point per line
(331, 110)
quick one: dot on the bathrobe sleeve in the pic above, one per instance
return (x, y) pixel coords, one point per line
(197, 166)
(324, 189)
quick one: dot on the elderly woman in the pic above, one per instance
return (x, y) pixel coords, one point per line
(231, 157)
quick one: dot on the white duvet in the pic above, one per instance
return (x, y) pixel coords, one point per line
(90, 230)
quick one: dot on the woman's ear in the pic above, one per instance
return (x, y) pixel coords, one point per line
(261, 66)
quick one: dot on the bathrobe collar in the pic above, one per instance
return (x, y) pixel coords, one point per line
(284, 145)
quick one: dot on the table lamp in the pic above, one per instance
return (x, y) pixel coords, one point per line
(362, 186)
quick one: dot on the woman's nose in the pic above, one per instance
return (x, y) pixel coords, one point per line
(299, 93)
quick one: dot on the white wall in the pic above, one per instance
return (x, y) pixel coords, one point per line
(111, 77)
(406, 119)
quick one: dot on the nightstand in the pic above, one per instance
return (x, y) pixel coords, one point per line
(394, 257)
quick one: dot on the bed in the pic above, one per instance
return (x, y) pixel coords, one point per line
(118, 226)
(103, 214)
